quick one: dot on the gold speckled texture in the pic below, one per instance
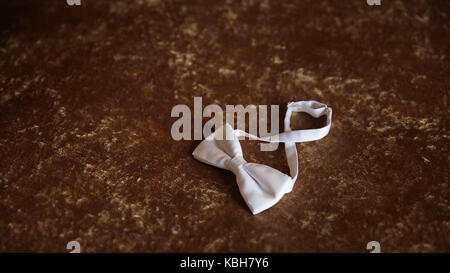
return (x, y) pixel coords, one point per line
(86, 152)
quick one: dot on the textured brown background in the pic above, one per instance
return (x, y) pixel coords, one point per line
(86, 152)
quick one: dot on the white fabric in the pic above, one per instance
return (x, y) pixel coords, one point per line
(262, 186)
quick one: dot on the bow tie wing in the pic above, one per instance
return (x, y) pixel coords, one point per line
(208, 152)
(262, 186)
(218, 148)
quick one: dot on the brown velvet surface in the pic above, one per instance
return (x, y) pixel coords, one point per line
(86, 152)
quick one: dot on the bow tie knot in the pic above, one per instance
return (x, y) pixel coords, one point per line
(233, 164)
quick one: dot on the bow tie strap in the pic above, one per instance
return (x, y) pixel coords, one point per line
(289, 137)
(313, 108)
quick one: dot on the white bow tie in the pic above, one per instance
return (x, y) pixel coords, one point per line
(262, 186)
